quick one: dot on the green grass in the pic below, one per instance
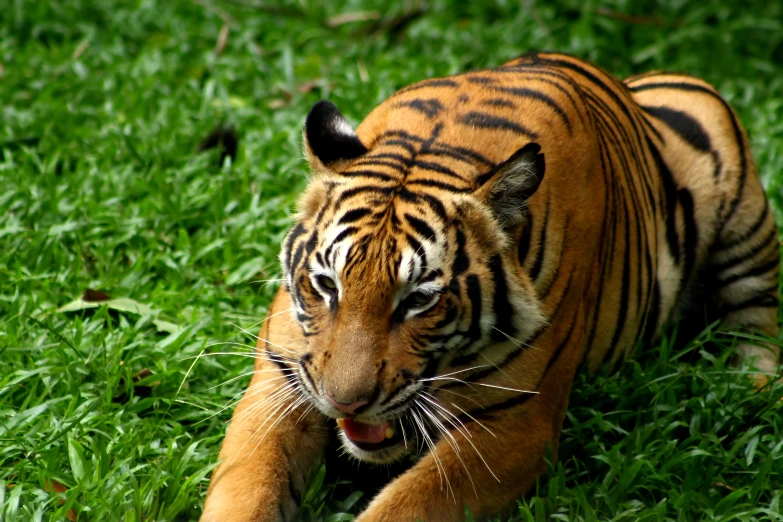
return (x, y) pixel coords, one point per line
(103, 106)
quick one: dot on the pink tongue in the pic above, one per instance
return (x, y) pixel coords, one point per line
(361, 432)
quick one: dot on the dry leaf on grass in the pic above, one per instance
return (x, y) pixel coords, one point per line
(95, 299)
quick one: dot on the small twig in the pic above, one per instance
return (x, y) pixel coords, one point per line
(269, 9)
(359, 16)
(655, 21)
(222, 40)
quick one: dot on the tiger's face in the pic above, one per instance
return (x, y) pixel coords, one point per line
(392, 285)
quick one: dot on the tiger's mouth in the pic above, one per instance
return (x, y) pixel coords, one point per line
(370, 437)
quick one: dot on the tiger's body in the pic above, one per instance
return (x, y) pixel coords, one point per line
(480, 237)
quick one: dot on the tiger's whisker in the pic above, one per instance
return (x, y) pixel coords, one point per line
(474, 419)
(478, 384)
(435, 457)
(235, 399)
(454, 445)
(267, 341)
(249, 373)
(283, 392)
(462, 371)
(467, 438)
(282, 389)
(461, 395)
(280, 403)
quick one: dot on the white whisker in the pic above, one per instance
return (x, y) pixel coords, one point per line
(263, 340)
(454, 446)
(477, 384)
(249, 373)
(474, 419)
(466, 438)
(435, 457)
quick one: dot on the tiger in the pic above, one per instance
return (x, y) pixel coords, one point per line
(462, 253)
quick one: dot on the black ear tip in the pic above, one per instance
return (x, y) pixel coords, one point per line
(329, 135)
(531, 148)
(321, 111)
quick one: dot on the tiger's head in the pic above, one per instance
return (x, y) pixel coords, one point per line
(400, 267)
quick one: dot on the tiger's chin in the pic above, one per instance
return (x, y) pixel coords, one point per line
(376, 443)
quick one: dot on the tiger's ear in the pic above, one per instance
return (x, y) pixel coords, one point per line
(328, 137)
(506, 188)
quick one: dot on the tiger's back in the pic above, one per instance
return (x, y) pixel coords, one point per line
(476, 240)
(656, 174)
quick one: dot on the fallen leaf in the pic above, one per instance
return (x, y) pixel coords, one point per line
(52, 486)
(95, 295)
(308, 86)
(95, 299)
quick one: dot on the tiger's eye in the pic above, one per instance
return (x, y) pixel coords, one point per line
(419, 298)
(327, 283)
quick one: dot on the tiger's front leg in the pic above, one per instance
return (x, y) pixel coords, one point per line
(497, 461)
(270, 445)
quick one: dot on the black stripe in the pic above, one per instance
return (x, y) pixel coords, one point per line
(670, 194)
(353, 215)
(448, 318)
(482, 80)
(684, 86)
(473, 290)
(758, 301)
(420, 226)
(608, 117)
(369, 174)
(362, 190)
(501, 307)
(524, 92)
(292, 491)
(437, 82)
(759, 270)
(406, 195)
(539, 261)
(440, 169)
(523, 244)
(545, 292)
(650, 329)
(380, 163)
(684, 125)
(534, 76)
(750, 232)
(736, 260)
(461, 259)
(401, 143)
(297, 232)
(311, 243)
(394, 393)
(594, 79)
(297, 257)
(438, 184)
(483, 120)
(498, 102)
(372, 156)
(342, 235)
(650, 127)
(690, 240)
(429, 107)
(436, 206)
(460, 153)
(622, 312)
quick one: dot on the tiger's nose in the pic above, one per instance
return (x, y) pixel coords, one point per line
(345, 408)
